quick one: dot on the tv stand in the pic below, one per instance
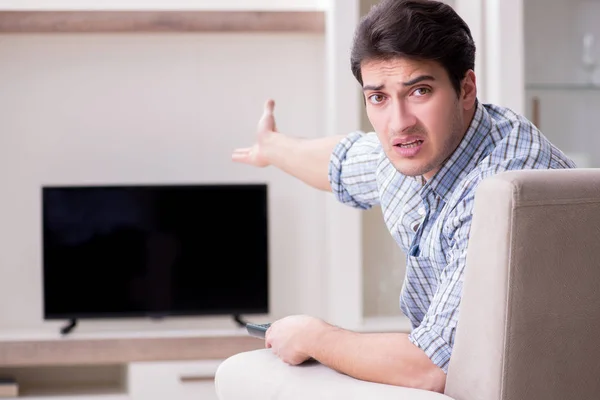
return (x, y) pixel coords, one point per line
(65, 330)
(136, 365)
(239, 320)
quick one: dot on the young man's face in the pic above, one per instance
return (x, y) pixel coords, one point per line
(416, 112)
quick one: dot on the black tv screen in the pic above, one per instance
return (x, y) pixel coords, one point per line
(128, 251)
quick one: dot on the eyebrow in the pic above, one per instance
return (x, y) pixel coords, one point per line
(414, 81)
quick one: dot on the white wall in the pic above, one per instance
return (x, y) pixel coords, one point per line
(78, 108)
(153, 108)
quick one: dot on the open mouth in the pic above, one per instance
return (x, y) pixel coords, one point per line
(408, 145)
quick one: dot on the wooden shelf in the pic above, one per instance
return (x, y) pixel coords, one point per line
(199, 5)
(74, 393)
(564, 87)
(70, 382)
(107, 351)
(160, 21)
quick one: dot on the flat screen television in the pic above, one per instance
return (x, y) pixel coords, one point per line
(154, 250)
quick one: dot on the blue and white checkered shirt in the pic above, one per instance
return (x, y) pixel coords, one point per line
(431, 221)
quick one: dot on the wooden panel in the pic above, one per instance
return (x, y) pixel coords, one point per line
(116, 351)
(160, 21)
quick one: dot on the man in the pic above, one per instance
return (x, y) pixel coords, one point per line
(434, 143)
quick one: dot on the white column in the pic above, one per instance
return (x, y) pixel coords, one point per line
(504, 41)
(343, 272)
(472, 11)
(497, 28)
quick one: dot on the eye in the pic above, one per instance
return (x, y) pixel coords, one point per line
(376, 98)
(422, 91)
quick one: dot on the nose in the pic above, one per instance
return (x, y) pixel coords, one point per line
(402, 118)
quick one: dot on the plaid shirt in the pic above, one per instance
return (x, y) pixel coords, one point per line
(431, 220)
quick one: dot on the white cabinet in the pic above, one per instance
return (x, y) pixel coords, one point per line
(188, 380)
(562, 74)
(542, 58)
(172, 380)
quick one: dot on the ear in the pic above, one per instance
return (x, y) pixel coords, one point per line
(468, 93)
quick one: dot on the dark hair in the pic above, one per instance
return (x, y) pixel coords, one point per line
(416, 29)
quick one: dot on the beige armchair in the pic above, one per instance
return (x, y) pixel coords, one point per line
(530, 316)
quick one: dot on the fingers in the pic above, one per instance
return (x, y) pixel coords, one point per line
(268, 344)
(269, 107)
(267, 121)
(242, 151)
(242, 155)
(268, 339)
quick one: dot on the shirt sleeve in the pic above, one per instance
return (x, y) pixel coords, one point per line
(435, 334)
(352, 169)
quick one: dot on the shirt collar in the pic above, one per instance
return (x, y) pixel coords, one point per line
(474, 146)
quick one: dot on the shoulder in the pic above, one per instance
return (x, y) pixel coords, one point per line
(359, 142)
(358, 149)
(515, 143)
(518, 144)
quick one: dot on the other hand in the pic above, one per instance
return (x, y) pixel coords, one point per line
(257, 154)
(292, 338)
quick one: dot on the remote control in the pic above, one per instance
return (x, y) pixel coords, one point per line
(257, 330)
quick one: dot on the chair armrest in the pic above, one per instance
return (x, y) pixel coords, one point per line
(261, 375)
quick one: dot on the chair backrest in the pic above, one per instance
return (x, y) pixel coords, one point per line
(529, 324)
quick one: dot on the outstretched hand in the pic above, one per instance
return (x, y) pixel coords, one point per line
(256, 155)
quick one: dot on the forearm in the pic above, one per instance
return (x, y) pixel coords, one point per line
(305, 159)
(388, 358)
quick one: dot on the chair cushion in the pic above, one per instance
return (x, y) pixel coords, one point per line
(261, 375)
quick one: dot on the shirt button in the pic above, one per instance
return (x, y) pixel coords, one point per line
(421, 211)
